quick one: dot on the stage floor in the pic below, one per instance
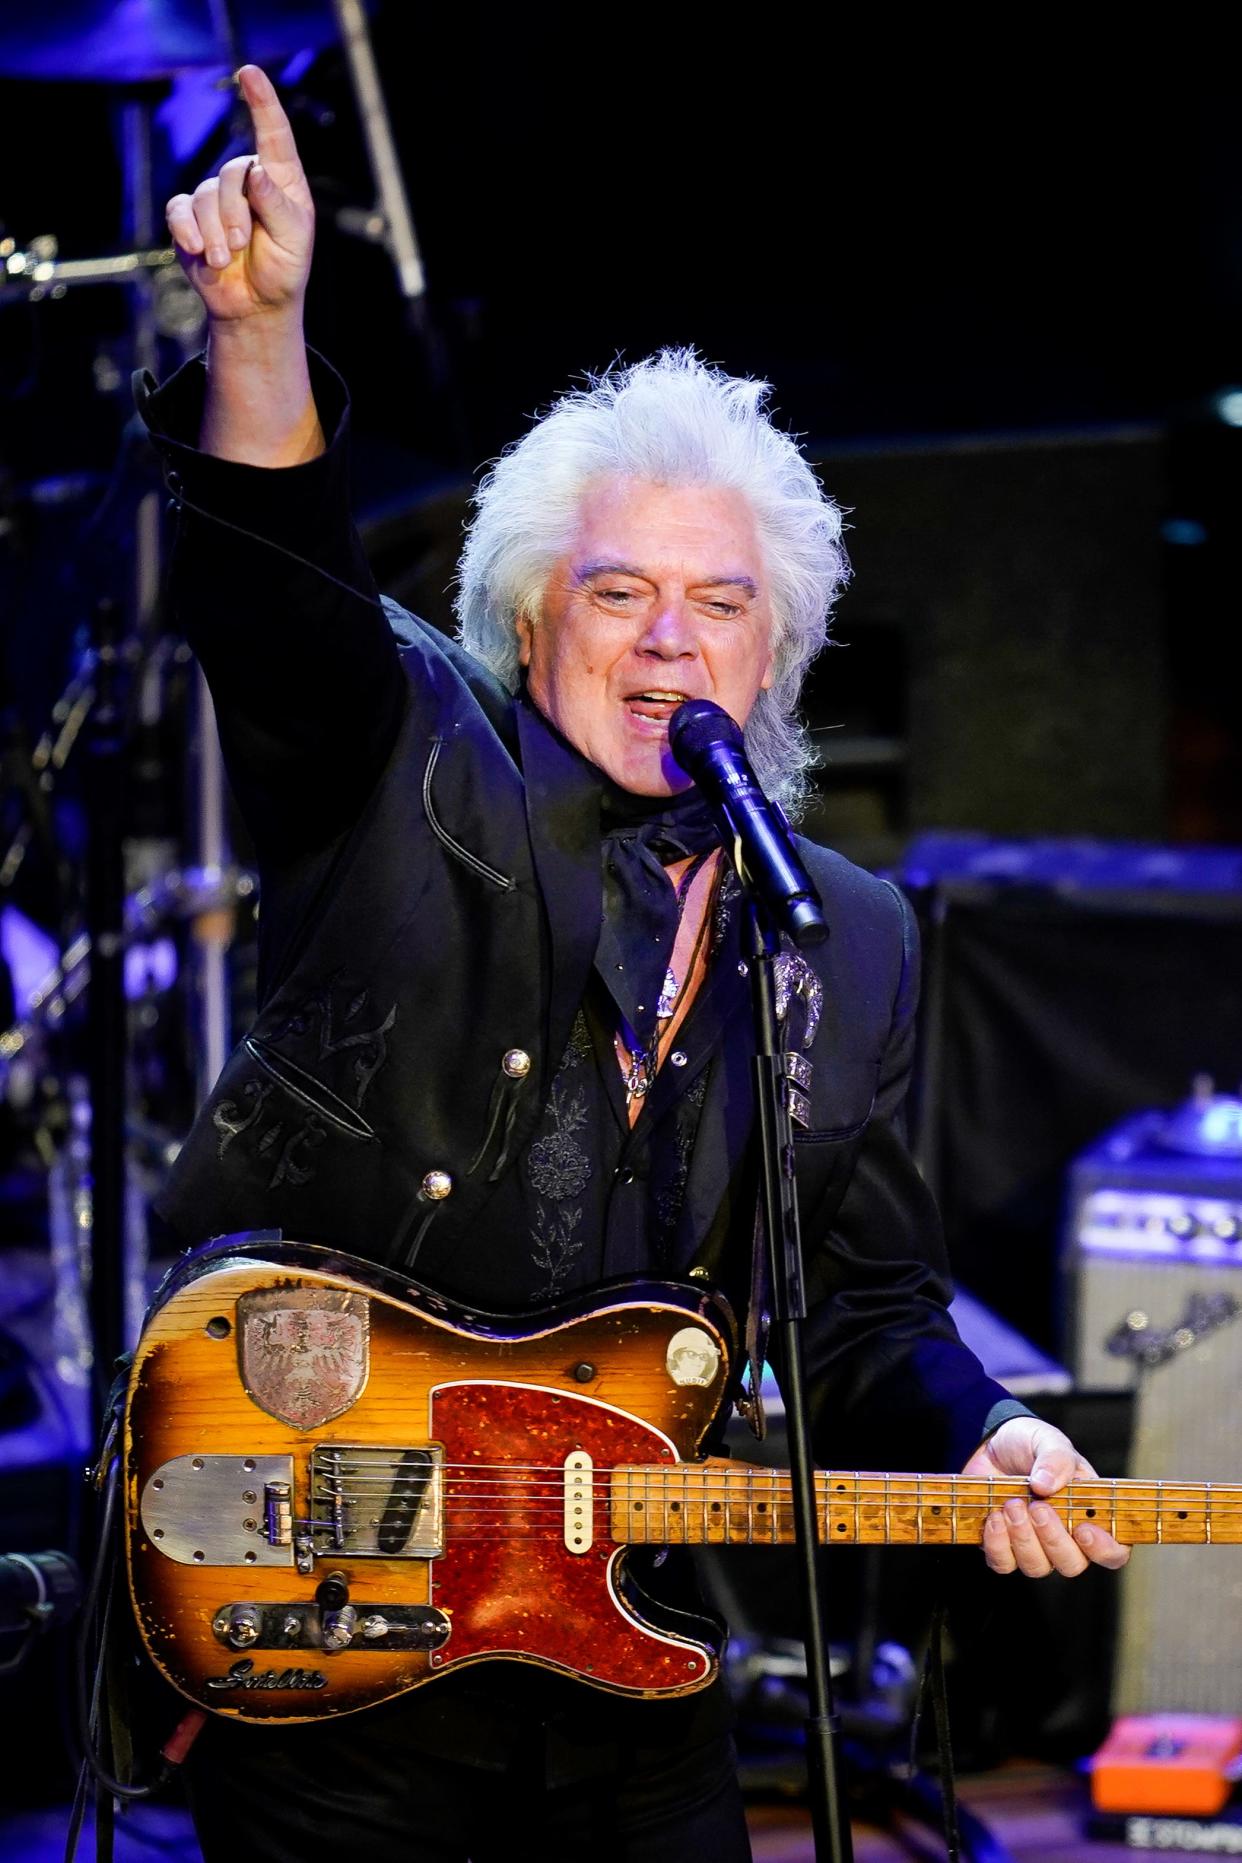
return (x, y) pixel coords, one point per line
(1033, 1812)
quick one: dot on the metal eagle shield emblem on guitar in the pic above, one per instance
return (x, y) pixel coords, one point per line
(303, 1352)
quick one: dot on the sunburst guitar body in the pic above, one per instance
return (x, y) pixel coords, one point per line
(339, 1486)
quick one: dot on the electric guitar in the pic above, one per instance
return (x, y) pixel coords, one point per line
(339, 1486)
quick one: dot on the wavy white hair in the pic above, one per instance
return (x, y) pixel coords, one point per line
(671, 420)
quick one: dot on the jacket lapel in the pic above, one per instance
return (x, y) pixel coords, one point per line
(562, 813)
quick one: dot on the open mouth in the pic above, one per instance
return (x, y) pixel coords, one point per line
(656, 703)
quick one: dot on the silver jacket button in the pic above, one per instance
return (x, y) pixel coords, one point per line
(516, 1064)
(677, 1058)
(437, 1185)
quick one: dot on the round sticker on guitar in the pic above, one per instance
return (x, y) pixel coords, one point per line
(693, 1357)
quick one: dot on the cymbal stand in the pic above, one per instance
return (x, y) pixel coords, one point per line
(390, 222)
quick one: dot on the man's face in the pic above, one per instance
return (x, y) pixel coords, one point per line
(662, 597)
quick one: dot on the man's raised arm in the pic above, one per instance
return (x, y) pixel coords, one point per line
(270, 583)
(245, 238)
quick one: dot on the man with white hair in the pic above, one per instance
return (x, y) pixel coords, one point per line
(503, 1040)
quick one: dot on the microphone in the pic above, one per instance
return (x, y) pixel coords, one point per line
(708, 745)
(37, 1589)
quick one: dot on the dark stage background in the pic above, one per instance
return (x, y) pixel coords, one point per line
(994, 273)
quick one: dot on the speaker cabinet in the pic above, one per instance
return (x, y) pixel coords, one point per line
(1154, 1270)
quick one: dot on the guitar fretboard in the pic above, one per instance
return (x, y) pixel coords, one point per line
(718, 1504)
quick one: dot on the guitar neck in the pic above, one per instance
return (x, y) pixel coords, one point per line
(730, 1504)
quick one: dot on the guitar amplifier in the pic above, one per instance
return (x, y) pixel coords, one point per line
(1153, 1250)
(1154, 1261)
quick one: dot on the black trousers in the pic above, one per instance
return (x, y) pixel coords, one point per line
(651, 1786)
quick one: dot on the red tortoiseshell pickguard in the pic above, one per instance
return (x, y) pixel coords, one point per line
(506, 1577)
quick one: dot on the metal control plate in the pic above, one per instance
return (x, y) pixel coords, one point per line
(209, 1509)
(300, 1627)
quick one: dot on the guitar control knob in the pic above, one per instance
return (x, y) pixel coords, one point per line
(333, 1593)
(243, 1627)
(339, 1628)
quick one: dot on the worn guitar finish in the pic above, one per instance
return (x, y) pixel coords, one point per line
(339, 1486)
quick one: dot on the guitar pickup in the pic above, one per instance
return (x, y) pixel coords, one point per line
(377, 1503)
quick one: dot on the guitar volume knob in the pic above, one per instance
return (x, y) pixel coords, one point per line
(339, 1628)
(239, 1627)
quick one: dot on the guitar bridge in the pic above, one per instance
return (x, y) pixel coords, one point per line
(376, 1503)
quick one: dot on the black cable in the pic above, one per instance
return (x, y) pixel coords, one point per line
(77, 1814)
(944, 1738)
(932, 1681)
(87, 1695)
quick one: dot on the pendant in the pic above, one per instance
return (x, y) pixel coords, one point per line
(636, 1070)
(668, 995)
(638, 1077)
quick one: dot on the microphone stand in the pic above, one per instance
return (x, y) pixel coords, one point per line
(106, 1016)
(829, 1823)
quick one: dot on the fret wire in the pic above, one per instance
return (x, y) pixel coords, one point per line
(953, 1508)
(888, 1524)
(1207, 1513)
(918, 1517)
(1159, 1513)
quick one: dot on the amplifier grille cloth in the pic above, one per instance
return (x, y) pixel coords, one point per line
(1180, 1648)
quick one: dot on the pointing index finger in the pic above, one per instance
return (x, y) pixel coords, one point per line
(273, 136)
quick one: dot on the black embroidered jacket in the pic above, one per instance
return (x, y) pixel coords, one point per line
(430, 911)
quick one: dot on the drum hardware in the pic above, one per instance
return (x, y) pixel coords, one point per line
(178, 894)
(37, 271)
(140, 47)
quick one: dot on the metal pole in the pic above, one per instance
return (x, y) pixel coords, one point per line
(106, 1032)
(212, 927)
(399, 235)
(829, 1821)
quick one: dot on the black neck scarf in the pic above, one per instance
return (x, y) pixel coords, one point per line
(639, 837)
